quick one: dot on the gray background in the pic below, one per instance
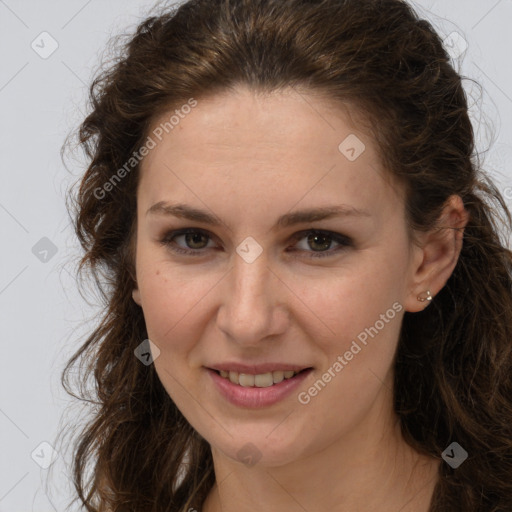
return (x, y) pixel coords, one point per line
(41, 100)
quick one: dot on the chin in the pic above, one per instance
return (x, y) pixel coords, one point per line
(252, 449)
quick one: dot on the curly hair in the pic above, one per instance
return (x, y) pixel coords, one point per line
(453, 366)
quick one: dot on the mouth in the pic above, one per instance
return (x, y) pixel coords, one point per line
(261, 380)
(257, 386)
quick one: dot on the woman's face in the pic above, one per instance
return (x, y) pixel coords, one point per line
(258, 291)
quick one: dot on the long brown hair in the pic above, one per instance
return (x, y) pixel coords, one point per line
(453, 368)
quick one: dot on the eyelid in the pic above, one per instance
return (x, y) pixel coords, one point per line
(343, 241)
(169, 237)
(332, 234)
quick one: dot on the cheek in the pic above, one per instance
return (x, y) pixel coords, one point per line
(170, 301)
(340, 304)
(344, 304)
(173, 307)
(363, 311)
(364, 316)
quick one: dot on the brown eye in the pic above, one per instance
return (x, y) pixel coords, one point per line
(319, 243)
(194, 241)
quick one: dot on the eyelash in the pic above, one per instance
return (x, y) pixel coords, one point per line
(344, 241)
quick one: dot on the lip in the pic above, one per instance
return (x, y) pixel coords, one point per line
(256, 369)
(254, 397)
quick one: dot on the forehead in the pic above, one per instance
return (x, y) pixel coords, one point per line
(246, 144)
(245, 119)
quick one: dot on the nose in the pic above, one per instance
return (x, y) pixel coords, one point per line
(253, 303)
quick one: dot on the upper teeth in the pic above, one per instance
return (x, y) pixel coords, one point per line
(261, 380)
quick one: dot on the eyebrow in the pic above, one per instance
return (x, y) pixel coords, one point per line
(185, 211)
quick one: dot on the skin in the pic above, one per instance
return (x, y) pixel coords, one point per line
(248, 158)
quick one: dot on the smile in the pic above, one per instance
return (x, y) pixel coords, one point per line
(262, 380)
(255, 391)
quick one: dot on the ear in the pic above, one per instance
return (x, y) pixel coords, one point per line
(136, 295)
(437, 254)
